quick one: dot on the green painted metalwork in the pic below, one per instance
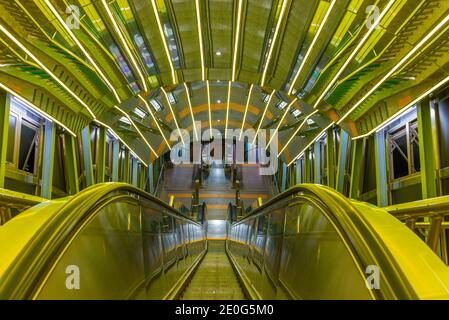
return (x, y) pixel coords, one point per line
(48, 159)
(115, 160)
(142, 176)
(284, 176)
(342, 158)
(381, 168)
(87, 156)
(100, 155)
(150, 178)
(135, 172)
(298, 171)
(126, 166)
(317, 166)
(4, 126)
(358, 147)
(427, 150)
(330, 158)
(307, 167)
(70, 165)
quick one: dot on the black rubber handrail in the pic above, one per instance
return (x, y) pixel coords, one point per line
(29, 267)
(367, 246)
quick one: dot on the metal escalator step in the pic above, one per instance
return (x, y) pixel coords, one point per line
(214, 279)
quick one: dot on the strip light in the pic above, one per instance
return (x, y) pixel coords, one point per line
(125, 45)
(191, 111)
(122, 141)
(173, 115)
(154, 119)
(297, 130)
(208, 106)
(309, 51)
(237, 38)
(311, 142)
(137, 129)
(405, 109)
(395, 68)
(92, 62)
(164, 41)
(41, 65)
(263, 115)
(354, 53)
(200, 35)
(36, 108)
(273, 41)
(227, 108)
(246, 110)
(280, 122)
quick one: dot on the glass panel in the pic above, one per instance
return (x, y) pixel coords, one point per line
(11, 138)
(27, 149)
(107, 255)
(315, 262)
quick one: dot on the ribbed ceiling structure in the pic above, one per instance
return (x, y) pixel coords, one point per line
(147, 67)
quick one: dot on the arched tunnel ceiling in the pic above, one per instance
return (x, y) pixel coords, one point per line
(320, 58)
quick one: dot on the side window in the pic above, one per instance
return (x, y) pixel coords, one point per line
(103, 260)
(315, 263)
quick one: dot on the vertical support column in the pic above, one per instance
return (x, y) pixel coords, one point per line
(135, 170)
(142, 176)
(4, 126)
(70, 164)
(150, 179)
(126, 166)
(358, 148)
(292, 174)
(330, 158)
(87, 156)
(427, 150)
(381, 168)
(100, 160)
(342, 157)
(284, 176)
(48, 159)
(298, 171)
(115, 160)
(317, 167)
(307, 166)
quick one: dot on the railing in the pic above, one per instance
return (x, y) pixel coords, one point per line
(427, 218)
(121, 224)
(14, 202)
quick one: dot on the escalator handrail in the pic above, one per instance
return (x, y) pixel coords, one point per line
(365, 242)
(27, 270)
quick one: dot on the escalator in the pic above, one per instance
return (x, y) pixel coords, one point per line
(114, 241)
(215, 278)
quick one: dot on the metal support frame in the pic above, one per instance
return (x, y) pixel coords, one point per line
(115, 160)
(298, 171)
(381, 168)
(358, 147)
(317, 158)
(284, 176)
(87, 156)
(126, 166)
(429, 182)
(330, 158)
(48, 159)
(100, 156)
(135, 172)
(150, 179)
(307, 166)
(142, 176)
(4, 127)
(342, 159)
(70, 165)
